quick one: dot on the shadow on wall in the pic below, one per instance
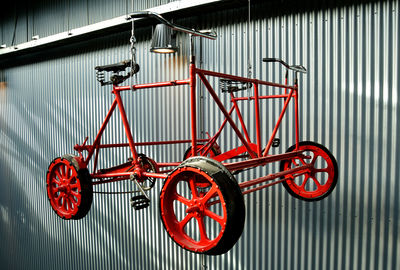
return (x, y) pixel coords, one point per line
(33, 236)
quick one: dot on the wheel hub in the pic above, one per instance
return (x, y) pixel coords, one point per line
(197, 207)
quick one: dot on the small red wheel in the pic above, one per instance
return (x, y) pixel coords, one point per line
(212, 152)
(319, 181)
(69, 188)
(202, 207)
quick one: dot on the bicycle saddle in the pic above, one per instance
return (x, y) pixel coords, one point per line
(117, 67)
(297, 68)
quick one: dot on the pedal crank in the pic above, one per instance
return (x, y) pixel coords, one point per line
(140, 201)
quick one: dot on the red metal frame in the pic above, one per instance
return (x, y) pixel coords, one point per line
(253, 150)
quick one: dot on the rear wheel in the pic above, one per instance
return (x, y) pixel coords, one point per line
(202, 207)
(69, 188)
(319, 181)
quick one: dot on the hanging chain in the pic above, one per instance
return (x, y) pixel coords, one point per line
(133, 53)
(249, 48)
(249, 44)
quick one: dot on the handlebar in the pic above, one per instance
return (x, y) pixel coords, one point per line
(296, 68)
(161, 19)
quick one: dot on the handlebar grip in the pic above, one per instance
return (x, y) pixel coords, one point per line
(269, 60)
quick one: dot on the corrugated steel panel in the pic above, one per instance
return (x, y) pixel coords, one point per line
(349, 102)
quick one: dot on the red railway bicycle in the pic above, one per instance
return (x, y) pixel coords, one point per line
(201, 203)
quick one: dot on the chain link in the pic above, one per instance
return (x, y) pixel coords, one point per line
(132, 40)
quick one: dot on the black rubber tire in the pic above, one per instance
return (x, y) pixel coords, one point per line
(335, 172)
(86, 188)
(232, 196)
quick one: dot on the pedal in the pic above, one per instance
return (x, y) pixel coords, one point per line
(276, 142)
(140, 202)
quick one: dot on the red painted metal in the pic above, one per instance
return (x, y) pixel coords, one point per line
(128, 174)
(261, 97)
(227, 116)
(152, 85)
(245, 192)
(246, 134)
(114, 179)
(214, 138)
(102, 146)
(278, 123)
(296, 117)
(257, 157)
(126, 126)
(255, 162)
(197, 208)
(235, 152)
(64, 188)
(257, 115)
(320, 176)
(270, 177)
(201, 182)
(192, 71)
(79, 148)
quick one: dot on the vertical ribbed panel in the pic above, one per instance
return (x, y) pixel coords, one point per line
(348, 102)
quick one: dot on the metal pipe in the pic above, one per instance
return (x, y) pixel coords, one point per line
(150, 14)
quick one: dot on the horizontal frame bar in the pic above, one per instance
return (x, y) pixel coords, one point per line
(102, 146)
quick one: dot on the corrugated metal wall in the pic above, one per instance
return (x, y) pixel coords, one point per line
(349, 102)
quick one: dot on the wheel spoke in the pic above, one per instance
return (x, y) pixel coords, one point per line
(294, 163)
(302, 161)
(76, 194)
(314, 158)
(325, 170)
(73, 202)
(57, 200)
(182, 199)
(59, 176)
(215, 217)
(193, 188)
(76, 185)
(62, 170)
(70, 178)
(68, 173)
(202, 229)
(182, 224)
(316, 181)
(209, 194)
(55, 190)
(306, 177)
(64, 204)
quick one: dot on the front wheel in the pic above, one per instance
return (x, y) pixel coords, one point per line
(69, 188)
(202, 207)
(319, 181)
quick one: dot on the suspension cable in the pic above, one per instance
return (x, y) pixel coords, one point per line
(249, 67)
(133, 51)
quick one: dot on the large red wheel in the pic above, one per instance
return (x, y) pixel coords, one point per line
(69, 188)
(202, 207)
(319, 181)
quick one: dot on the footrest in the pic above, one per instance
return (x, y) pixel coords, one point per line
(139, 202)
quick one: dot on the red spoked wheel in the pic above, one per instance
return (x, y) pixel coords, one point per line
(319, 181)
(69, 188)
(202, 207)
(212, 152)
